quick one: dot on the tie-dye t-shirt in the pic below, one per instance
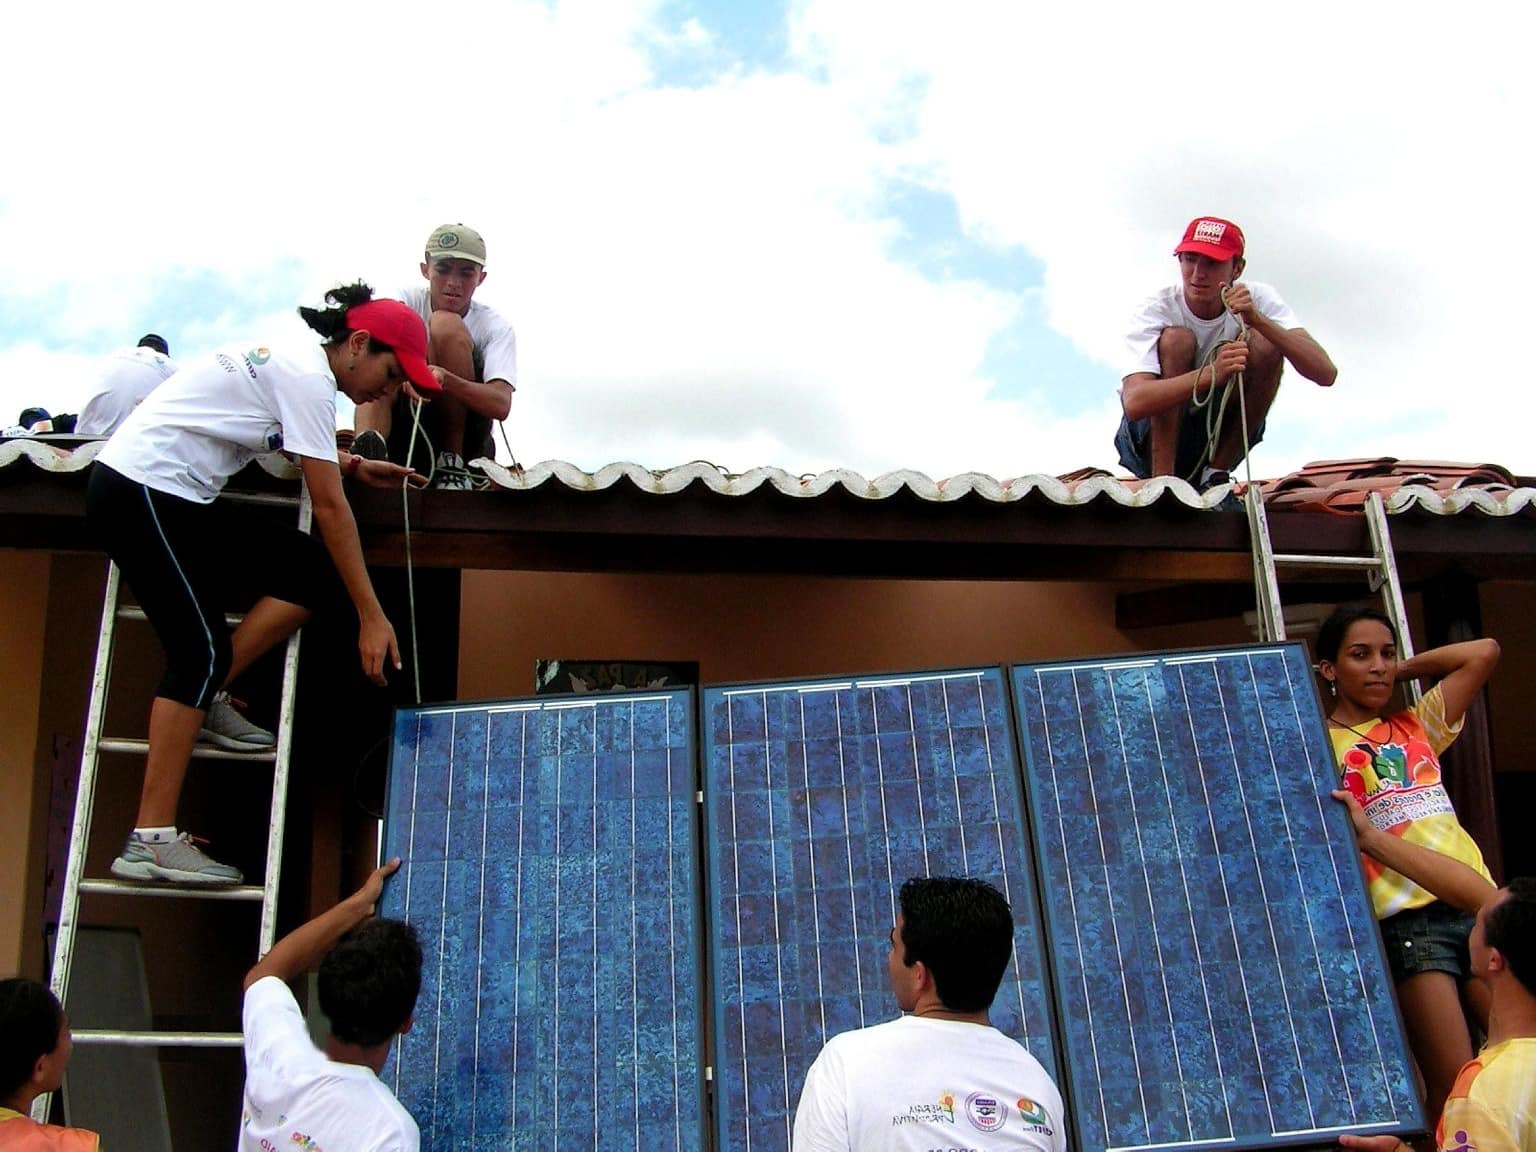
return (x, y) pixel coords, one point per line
(1392, 767)
(1492, 1108)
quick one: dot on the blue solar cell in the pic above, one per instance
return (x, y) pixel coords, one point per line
(1218, 969)
(551, 869)
(820, 799)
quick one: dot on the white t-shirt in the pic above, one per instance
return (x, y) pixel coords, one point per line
(491, 332)
(126, 378)
(217, 414)
(916, 1084)
(296, 1098)
(1167, 309)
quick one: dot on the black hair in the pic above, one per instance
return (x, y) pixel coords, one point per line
(1511, 928)
(150, 340)
(1330, 636)
(962, 931)
(369, 981)
(31, 1019)
(331, 322)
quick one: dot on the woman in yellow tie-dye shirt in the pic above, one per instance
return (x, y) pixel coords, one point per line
(1390, 763)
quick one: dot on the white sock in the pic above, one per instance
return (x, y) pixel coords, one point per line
(156, 835)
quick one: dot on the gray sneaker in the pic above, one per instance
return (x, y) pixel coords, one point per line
(178, 861)
(228, 729)
(450, 473)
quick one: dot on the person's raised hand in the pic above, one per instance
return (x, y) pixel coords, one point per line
(387, 474)
(1239, 300)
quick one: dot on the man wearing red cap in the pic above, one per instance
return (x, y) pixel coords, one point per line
(1183, 344)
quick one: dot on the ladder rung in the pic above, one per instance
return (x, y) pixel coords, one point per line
(199, 752)
(185, 891)
(140, 1038)
(134, 612)
(1304, 560)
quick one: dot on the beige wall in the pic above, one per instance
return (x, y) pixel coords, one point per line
(24, 592)
(763, 627)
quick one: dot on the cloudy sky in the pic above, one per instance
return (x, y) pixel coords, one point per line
(872, 234)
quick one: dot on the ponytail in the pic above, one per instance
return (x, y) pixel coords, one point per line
(331, 322)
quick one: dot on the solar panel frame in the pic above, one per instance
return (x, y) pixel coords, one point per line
(844, 981)
(1358, 956)
(644, 1066)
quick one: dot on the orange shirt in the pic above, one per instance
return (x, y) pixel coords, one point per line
(20, 1133)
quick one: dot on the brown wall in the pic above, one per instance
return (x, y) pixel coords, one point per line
(24, 590)
(764, 627)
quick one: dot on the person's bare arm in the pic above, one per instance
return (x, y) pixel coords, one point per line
(1449, 879)
(1461, 670)
(306, 945)
(490, 398)
(376, 637)
(1304, 353)
(1144, 394)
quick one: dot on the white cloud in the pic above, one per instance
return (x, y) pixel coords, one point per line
(706, 271)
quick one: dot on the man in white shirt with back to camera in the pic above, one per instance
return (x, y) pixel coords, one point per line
(126, 378)
(940, 1076)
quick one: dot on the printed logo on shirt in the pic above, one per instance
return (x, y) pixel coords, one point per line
(985, 1112)
(259, 356)
(941, 1113)
(1394, 781)
(1035, 1117)
(274, 438)
(1460, 1143)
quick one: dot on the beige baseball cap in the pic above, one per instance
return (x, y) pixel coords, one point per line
(456, 242)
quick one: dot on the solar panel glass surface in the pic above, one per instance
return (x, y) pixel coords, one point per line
(1218, 967)
(551, 868)
(820, 799)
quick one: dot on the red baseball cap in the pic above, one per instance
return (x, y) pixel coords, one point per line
(398, 326)
(1212, 236)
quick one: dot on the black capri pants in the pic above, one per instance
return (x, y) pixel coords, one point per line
(187, 562)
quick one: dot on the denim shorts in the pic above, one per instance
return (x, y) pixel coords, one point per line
(1428, 939)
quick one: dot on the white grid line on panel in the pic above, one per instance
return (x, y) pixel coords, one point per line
(773, 876)
(853, 892)
(1221, 868)
(885, 820)
(559, 775)
(1274, 942)
(1077, 935)
(517, 914)
(917, 782)
(1171, 1144)
(1306, 904)
(410, 872)
(1109, 893)
(1157, 940)
(596, 1108)
(741, 974)
(485, 818)
(1319, 802)
(762, 692)
(1002, 848)
(954, 774)
(810, 853)
(677, 1086)
(1194, 931)
(634, 949)
(442, 924)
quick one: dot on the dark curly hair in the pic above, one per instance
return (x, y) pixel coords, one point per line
(369, 981)
(331, 322)
(962, 931)
(31, 1020)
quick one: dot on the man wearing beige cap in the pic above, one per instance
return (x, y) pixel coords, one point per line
(472, 350)
(1184, 347)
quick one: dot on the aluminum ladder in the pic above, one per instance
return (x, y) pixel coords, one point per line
(1380, 569)
(113, 611)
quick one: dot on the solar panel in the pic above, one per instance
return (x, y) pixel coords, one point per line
(551, 868)
(820, 799)
(1217, 964)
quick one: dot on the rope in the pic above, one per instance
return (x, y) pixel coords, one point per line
(1215, 414)
(405, 517)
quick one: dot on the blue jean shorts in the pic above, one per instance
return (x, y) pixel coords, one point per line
(1428, 939)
